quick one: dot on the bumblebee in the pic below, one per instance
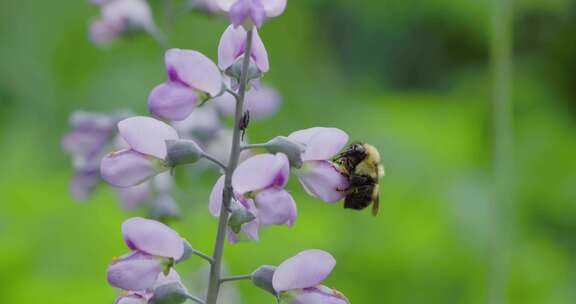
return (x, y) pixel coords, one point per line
(361, 164)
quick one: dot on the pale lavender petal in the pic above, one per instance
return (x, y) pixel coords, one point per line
(274, 8)
(147, 135)
(84, 141)
(320, 143)
(225, 5)
(128, 14)
(231, 46)
(262, 102)
(172, 101)
(193, 69)
(259, 53)
(275, 207)
(134, 196)
(128, 168)
(92, 120)
(102, 32)
(226, 103)
(239, 11)
(319, 295)
(131, 299)
(306, 269)
(322, 180)
(281, 178)
(152, 237)
(215, 201)
(134, 272)
(259, 172)
(83, 185)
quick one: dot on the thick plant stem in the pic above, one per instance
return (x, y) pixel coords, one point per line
(215, 270)
(503, 191)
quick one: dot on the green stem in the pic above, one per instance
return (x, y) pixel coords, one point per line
(255, 146)
(215, 270)
(503, 200)
(236, 278)
(195, 299)
(202, 255)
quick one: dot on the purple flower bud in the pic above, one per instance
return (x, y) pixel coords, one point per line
(152, 237)
(127, 14)
(232, 47)
(128, 168)
(260, 172)
(147, 135)
(261, 102)
(102, 33)
(136, 271)
(320, 143)
(304, 270)
(275, 207)
(193, 69)
(172, 101)
(322, 180)
(255, 11)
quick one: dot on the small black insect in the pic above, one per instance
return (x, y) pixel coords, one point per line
(244, 122)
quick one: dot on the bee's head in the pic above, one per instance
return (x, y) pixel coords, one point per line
(355, 153)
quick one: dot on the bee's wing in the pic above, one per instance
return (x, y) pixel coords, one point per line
(376, 205)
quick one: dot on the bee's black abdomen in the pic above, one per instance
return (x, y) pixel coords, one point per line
(359, 197)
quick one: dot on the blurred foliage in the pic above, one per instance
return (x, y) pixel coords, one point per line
(411, 77)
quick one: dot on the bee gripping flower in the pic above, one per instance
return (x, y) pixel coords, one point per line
(318, 175)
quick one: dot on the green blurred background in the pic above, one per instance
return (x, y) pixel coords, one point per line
(411, 77)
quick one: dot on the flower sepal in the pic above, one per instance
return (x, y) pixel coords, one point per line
(262, 278)
(171, 293)
(181, 152)
(235, 71)
(292, 149)
(238, 218)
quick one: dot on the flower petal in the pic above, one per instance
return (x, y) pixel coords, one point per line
(132, 197)
(262, 102)
(231, 46)
(321, 143)
(259, 53)
(261, 171)
(128, 168)
(193, 69)
(128, 14)
(134, 272)
(215, 202)
(172, 101)
(147, 135)
(225, 5)
(319, 294)
(83, 185)
(152, 237)
(274, 8)
(275, 207)
(306, 269)
(131, 299)
(322, 180)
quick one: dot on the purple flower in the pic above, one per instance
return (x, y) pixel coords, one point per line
(298, 279)
(252, 11)
(118, 17)
(265, 176)
(192, 78)
(145, 157)
(318, 175)
(154, 245)
(261, 102)
(232, 46)
(131, 299)
(91, 136)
